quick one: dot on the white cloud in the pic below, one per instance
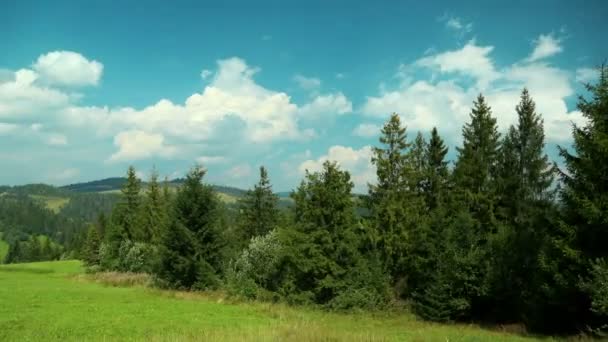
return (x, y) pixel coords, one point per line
(205, 74)
(57, 140)
(471, 60)
(545, 46)
(356, 162)
(36, 127)
(307, 83)
(135, 144)
(586, 75)
(340, 75)
(455, 24)
(240, 171)
(326, 105)
(367, 130)
(446, 101)
(68, 68)
(23, 98)
(208, 160)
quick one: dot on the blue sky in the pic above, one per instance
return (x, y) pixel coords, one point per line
(90, 87)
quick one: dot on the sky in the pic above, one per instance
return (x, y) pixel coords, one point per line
(88, 88)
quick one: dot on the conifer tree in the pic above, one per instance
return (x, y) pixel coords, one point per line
(91, 248)
(475, 172)
(323, 248)
(259, 213)
(194, 228)
(577, 249)
(152, 216)
(389, 195)
(130, 206)
(437, 172)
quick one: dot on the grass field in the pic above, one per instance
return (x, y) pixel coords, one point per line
(51, 202)
(55, 301)
(3, 248)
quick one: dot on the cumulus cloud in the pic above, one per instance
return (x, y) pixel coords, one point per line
(545, 46)
(307, 83)
(323, 106)
(136, 144)
(6, 128)
(471, 60)
(365, 130)
(445, 101)
(22, 97)
(68, 68)
(357, 162)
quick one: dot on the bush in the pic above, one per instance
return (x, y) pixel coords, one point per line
(255, 269)
(137, 257)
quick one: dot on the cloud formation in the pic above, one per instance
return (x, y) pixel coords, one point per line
(68, 68)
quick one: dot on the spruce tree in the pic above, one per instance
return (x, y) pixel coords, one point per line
(525, 176)
(91, 248)
(389, 195)
(131, 203)
(475, 172)
(152, 215)
(437, 170)
(258, 208)
(578, 245)
(196, 210)
(323, 248)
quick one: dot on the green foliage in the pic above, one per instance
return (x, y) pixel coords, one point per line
(258, 208)
(254, 273)
(192, 247)
(91, 250)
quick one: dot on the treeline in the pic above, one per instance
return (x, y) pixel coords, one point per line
(35, 233)
(490, 239)
(34, 248)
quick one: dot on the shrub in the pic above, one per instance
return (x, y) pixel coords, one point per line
(254, 270)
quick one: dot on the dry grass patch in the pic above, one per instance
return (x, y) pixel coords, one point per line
(125, 279)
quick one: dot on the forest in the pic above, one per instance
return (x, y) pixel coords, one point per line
(501, 234)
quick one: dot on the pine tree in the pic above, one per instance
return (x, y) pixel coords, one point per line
(389, 195)
(178, 256)
(437, 172)
(323, 247)
(475, 172)
(152, 215)
(525, 176)
(418, 165)
(195, 210)
(91, 248)
(130, 204)
(580, 240)
(259, 213)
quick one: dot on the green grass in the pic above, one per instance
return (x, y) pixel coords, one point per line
(3, 248)
(55, 301)
(52, 203)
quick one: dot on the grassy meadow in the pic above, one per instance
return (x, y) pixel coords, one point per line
(57, 301)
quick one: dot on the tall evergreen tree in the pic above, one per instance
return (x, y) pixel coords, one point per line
(525, 176)
(129, 207)
(323, 248)
(475, 172)
(91, 248)
(389, 195)
(579, 245)
(259, 213)
(195, 210)
(152, 215)
(437, 172)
